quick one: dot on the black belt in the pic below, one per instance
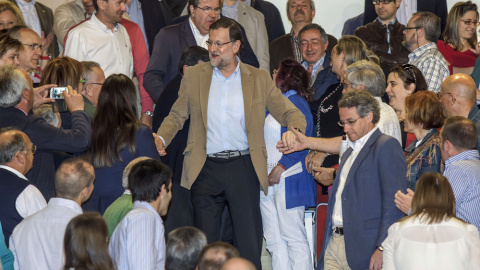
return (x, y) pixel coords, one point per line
(229, 154)
(338, 230)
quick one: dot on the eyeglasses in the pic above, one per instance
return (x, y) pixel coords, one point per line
(441, 94)
(385, 2)
(209, 9)
(409, 28)
(470, 22)
(33, 149)
(35, 46)
(348, 122)
(217, 44)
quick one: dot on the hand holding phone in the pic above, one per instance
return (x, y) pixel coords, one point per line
(56, 92)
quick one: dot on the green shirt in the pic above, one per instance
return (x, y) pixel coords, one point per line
(117, 210)
(89, 107)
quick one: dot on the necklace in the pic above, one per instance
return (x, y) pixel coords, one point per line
(322, 109)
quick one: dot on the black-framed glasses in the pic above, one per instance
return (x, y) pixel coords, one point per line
(385, 2)
(440, 95)
(33, 149)
(409, 28)
(209, 9)
(34, 46)
(348, 122)
(217, 44)
(470, 22)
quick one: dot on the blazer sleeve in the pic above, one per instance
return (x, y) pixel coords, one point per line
(392, 171)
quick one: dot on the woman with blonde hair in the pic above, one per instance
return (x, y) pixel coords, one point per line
(459, 44)
(431, 237)
(10, 15)
(9, 49)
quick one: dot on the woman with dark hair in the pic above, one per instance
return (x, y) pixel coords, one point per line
(402, 81)
(431, 237)
(117, 138)
(423, 116)
(9, 49)
(86, 243)
(291, 187)
(459, 44)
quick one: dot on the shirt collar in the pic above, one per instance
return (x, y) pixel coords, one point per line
(10, 169)
(390, 23)
(195, 30)
(235, 6)
(24, 3)
(219, 74)
(146, 205)
(418, 52)
(102, 26)
(358, 144)
(465, 155)
(316, 65)
(65, 203)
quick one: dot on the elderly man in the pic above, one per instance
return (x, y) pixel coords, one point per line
(172, 40)
(226, 101)
(462, 168)
(93, 77)
(360, 208)
(421, 35)
(313, 45)
(384, 35)
(37, 242)
(300, 13)
(254, 23)
(18, 198)
(17, 98)
(183, 248)
(138, 242)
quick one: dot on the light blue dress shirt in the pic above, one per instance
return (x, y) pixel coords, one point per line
(226, 113)
(315, 68)
(230, 11)
(136, 15)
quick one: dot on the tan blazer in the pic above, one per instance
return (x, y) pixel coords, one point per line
(259, 94)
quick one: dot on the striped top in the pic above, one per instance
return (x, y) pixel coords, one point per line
(463, 173)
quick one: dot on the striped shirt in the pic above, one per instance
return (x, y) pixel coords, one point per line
(463, 173)
(138, 242)
(430, 61)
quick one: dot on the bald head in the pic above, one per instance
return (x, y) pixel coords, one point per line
(238, 264)
(16, 150)
(459, 94)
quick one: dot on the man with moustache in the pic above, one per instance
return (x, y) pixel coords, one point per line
(225, 157)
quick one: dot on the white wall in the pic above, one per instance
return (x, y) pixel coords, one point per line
(330, 14)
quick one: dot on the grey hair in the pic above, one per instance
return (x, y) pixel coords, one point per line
(8, 148)
(12, 83)
(72, 177)
(87, 67)
(430, 24)
(46, 112)
(183, 248)
(312, 5)
(369, 74)
(127, 170)
(314, 26)
(363, 101)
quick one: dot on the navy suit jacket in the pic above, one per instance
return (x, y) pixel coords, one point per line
(167, 50)
(324, 79)
(48, 139)
(375, 176)
(156, 15)
(437, 7)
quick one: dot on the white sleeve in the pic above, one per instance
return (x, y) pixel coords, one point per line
(14, 251)
(74, 46)
(30, 201)
(388, 246)
(475, 249)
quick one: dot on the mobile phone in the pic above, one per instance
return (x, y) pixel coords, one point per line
(55, 92)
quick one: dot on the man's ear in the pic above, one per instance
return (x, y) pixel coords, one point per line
(20, 157)
(88, 90)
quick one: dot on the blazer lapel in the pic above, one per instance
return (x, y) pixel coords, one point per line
(205, 81)
(187, 34)
(363, 153)
(247, 89)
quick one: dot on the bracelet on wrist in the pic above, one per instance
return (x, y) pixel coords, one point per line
(278, 164)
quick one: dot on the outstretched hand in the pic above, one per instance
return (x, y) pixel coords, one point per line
(159, 144)
(292, 141)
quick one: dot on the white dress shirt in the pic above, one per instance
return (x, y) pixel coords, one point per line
(412, 245)
(30, 16)
(337, 214)
(30, 200)
(388, 122)
(138, 242)
(93, 41)
(199, 38)
(37, 241)
(406, 10)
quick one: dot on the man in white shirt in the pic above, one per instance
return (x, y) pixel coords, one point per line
(37, 242)
(103, 39)
(138, 242)
(18, 198)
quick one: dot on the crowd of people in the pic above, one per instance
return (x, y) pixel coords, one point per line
(144, 134)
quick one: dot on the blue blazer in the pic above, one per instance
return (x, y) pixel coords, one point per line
(325, 78)
(300, 189)
(367, 199)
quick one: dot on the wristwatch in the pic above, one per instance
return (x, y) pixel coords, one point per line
(380, 248)
(149, 113)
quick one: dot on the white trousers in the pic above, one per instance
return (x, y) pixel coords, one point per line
(284, 231)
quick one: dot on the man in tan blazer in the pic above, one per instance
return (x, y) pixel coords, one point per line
(225, 158)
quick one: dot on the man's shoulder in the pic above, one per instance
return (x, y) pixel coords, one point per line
(368, 28)
(67, 7)
(174, 28)
(242, 7)
(43, 8)
(285, 39)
